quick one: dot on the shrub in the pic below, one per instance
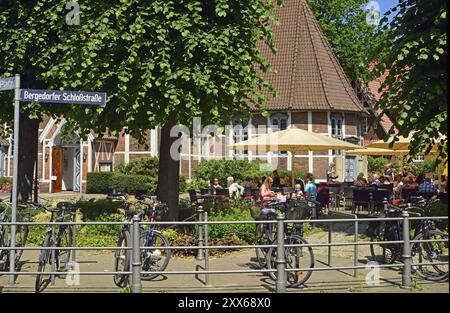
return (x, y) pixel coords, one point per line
(377, 164)
(140, 166)
(195, 184)
(100, 182)
(239, 232)
(4, 182)
(238, 169)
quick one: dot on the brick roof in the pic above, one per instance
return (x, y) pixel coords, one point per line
(308, 75)
(374, 87)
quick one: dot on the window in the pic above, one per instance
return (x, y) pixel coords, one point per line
(240, 133)
(419, 158)
(336, 121)
(362, 127)
(279, 122)
(105, 167)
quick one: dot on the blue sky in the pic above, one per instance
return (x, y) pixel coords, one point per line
(385, 5)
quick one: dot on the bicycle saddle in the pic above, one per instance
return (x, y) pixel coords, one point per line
(66, 206)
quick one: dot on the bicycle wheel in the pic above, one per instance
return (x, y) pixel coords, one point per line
(21, 239)
(386, 253)
(122, 259)
(264, 235)
(381, 253)
(42, 279)
(154, 260)
(431, 252)
(64, 239)
(296, 258)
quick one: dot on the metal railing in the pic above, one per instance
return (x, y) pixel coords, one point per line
(203, 248)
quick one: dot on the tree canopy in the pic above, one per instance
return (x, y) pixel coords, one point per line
(351, 37)
(414, 55)
(188, 58)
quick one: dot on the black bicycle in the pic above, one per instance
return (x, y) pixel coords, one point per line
(434, 251)
(64, 212)
(21, 233)
(152, 259)
(297, 256)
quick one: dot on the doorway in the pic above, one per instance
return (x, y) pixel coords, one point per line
(66, 164)
(351, 168)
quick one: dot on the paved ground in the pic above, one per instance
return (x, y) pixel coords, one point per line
(321, 281)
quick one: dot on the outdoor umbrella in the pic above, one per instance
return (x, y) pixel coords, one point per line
(293, 140)
(402, 144)
(377, 151)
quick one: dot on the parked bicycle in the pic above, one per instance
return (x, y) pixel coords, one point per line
(23, 215)
(297, 256)
(152, 259)
(58, 259)
(434, 251)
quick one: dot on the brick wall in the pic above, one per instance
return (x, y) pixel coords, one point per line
(300, 120)
(320, 168)
(300, 164)
(350, 124)
(320, 122)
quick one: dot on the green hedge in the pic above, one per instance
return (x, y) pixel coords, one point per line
(100, 182)
(139, 166)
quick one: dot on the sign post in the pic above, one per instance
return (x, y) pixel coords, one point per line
(36, 95)
(12, 254)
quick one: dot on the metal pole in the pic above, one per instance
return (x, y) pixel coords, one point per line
(200, 252)
(136, 284)
(385, 204)
(355, 251)
(406, 275)
(330, 230)
(206, 250)
(12, 254)
(74, 243)
(281, 258)
(53, 256)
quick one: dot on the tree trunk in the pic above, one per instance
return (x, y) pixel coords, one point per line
(28, 149)
(169, 173)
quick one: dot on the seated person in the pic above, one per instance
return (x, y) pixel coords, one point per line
(276, 179)
(375, 180)
(265, 192)
(216, 185)
(426, 186)
(235, 189)
(360, 182)
(384, 181)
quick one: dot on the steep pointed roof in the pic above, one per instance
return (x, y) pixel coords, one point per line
(308, 75)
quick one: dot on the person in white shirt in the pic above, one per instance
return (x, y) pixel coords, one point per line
(234, 189)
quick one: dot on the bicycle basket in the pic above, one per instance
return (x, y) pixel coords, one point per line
(298, 210)
(255, 211)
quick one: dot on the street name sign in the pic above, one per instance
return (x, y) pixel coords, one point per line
(7, 83)
(68, 97)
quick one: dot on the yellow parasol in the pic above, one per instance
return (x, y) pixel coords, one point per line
(293, 140)
(377, 151)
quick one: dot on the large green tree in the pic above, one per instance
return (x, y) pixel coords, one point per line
(414, 54)
(27, 30)
(350, 36)
(161, 62)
